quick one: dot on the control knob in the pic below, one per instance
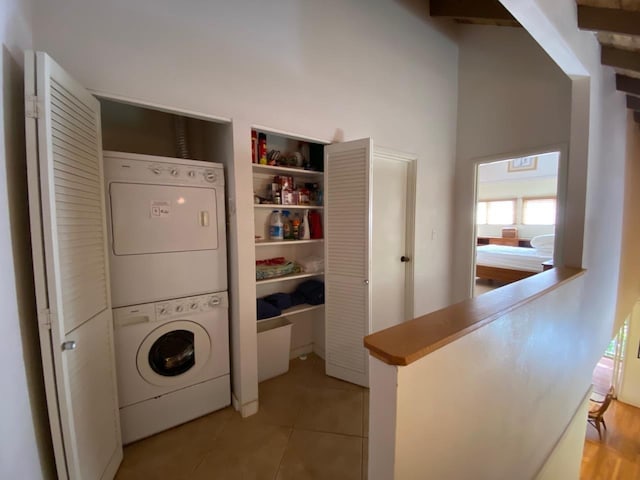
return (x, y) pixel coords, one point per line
(215, 301)
(210, 176)
(156, 170)
(194, 306)
(163, 310)
(191, 173)
(179, 308)
(175, 172)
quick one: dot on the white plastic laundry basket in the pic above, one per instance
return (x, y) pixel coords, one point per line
(274, 343)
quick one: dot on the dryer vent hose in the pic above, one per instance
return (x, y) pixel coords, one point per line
(180, 125)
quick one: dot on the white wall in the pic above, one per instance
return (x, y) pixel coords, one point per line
(492, 404)
(512, 101)
(25, 448)
(328, 70)
(566, 460)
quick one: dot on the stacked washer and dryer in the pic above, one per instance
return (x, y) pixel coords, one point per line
(168, 258)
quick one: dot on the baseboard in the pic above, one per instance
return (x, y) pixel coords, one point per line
(319, 350)
(246, 410)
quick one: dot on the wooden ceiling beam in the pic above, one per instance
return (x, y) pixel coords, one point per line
(633, 103)
(617, 57)
(609, 19)
(470, 9)
(628, 84)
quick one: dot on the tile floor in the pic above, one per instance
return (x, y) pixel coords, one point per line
(309, 426)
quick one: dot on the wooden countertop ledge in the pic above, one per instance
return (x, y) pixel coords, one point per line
(412, 340)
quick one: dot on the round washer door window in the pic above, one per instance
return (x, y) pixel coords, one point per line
(173, 353)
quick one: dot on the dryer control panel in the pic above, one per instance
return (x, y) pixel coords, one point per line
(169, 171)
(181, 308)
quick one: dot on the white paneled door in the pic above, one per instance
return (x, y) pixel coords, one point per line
(68, 231)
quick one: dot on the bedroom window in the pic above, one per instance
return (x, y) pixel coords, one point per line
(496, 212)
(539, 211)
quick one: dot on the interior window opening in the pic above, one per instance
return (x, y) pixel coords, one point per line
(515, 219)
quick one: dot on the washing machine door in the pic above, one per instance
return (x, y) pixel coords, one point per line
(174, 353)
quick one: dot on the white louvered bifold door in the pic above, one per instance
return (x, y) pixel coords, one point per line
(66, 205)
(347, 251)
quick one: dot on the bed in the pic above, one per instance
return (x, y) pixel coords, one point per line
(509, 264)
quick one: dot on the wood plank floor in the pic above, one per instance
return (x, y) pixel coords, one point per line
(617, 455)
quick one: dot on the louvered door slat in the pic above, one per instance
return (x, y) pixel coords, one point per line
(75, 169)
(347, 209)
(70, 151)
(66, 196)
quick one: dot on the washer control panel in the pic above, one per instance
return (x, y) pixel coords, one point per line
(183, 307)
(180, 308)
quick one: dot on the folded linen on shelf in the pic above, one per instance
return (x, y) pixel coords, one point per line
(266, 309)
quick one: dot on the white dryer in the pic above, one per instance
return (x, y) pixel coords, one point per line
(172, 361)
(167, 231)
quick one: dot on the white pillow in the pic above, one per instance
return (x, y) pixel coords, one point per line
(544, 244)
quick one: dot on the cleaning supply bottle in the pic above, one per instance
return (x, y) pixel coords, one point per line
(295, 226)
(304, 226)
(286, 226)
(276, 231)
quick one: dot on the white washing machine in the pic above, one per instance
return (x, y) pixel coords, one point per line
(166, 225)
(172, 361)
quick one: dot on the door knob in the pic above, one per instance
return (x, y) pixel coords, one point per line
(404, 259)
(71, 345)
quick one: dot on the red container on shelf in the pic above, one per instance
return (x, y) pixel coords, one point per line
(315, 224)
(254, 146)
(262, 148)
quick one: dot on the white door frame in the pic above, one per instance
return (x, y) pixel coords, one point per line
(410, 220)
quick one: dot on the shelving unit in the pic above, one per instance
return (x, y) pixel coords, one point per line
(263, 177)
(274, 206)
(293, 276)
(294, 172)
(267, 243)
(295, 310)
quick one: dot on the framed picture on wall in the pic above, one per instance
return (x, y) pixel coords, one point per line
(522, 164)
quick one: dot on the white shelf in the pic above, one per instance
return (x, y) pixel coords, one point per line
(295, 172)
(295, 310)
(284, 278)
(276, 206)
(266, 243)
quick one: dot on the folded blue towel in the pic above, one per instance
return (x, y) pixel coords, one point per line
(312, 291)
(297, 299)
(266, 310)
(279, 300)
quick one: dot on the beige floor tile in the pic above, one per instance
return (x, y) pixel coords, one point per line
(320, 456)
(173, 453)
(365, 458)
(280, 402)
(319, 378)
(332, 410)
(244, 450)
(365, 413)
(224, 446)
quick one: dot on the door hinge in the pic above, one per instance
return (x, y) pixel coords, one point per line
(31, 107)
(44, 318)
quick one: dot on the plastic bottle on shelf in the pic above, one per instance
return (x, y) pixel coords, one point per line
(286, 226)
(276, 231)
(295, 226)
(304, 226)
